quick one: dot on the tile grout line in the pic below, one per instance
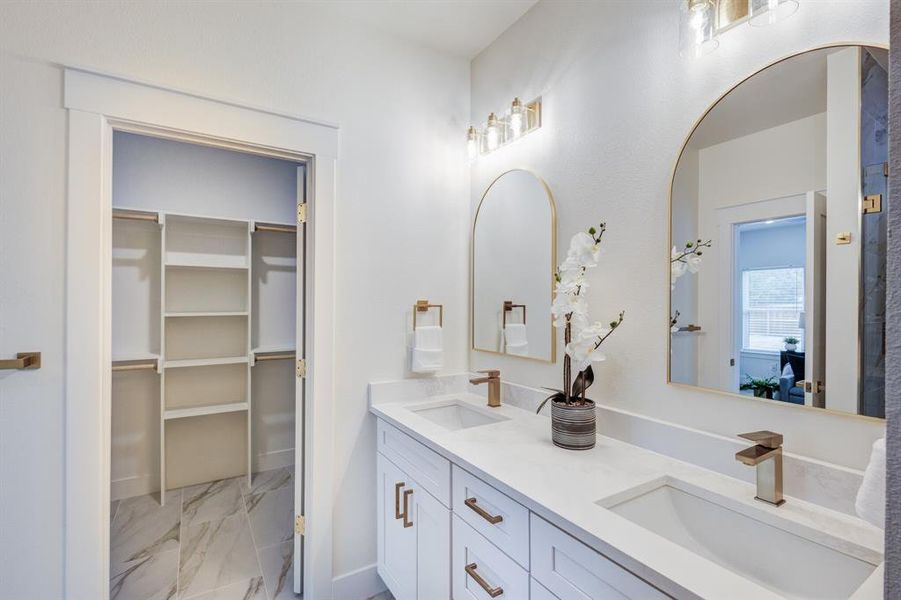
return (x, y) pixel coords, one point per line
(181, 529)
(253, 539)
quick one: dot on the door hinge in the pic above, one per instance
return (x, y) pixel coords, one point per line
(301, 213)
(731, 362)
(872, 204)
(885, 169)
(301, 367)
(300, 524)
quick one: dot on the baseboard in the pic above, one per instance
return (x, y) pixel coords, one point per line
(273, 460)
(138, 485)
(358, 585)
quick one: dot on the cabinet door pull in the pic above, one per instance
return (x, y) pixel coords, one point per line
(406, 515)
(494, 592)
(493, 519)
(397, 513)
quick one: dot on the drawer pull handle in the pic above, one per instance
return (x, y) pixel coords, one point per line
(407, 521)
(494, 592)
(397, 513)
(493, 519)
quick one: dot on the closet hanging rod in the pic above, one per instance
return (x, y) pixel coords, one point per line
(133, 365)
(275, 228)
(280, 356)
(136, 215)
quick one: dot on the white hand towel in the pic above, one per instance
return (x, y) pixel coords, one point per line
(428, 349)
(870, 504)
(515, 340)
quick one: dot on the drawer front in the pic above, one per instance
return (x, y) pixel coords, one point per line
(479, 568)
(502, 520)
(428, 468)
(573, 571)
(539, 592)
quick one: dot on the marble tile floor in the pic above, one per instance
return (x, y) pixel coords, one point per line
(213, 541)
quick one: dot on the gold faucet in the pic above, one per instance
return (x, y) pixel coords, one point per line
(766, 455)
(493, 380)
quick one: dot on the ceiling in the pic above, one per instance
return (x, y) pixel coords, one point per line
(787, 91)
(459, 27)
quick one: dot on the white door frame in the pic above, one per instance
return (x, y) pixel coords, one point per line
(97, 105)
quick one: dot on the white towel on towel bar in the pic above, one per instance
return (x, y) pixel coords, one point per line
(870, 504)
(515, 340)
(428, 349)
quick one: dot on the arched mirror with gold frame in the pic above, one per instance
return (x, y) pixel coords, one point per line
(513, 257)
(778, 231)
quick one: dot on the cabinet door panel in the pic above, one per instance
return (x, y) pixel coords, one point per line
(396, 543)
(431, 521)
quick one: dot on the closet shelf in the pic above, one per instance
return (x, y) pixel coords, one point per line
(204, 362)
(206, 265)
(199, 411)
(224, 313)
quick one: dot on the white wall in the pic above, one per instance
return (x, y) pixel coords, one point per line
(843, 98)
(402, 216)
(618, 104)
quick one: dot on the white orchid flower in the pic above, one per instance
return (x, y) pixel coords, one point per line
(567, 304)
(571, 282)
(693, 262)
(583, 349)
(584, 251)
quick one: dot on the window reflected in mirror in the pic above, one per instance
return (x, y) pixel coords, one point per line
(779, 236)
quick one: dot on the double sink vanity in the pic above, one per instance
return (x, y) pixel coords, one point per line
(475, 502)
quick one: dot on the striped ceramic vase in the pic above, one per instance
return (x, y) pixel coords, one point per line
(573, 427)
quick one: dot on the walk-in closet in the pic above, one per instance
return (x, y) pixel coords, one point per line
(207, 404)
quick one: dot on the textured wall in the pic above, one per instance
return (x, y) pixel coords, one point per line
(893, 318)
(615, 115)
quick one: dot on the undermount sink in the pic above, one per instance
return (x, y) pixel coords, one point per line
(455, 414)
(754, 544)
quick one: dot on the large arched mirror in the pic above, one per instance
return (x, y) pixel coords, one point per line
(513, 260)
(778, 231)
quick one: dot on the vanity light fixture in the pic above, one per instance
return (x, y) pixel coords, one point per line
(697, 28)
(492, 133)
(516, 118)
(497, 131)
(701, 22)
(767, 12)
(472, 143)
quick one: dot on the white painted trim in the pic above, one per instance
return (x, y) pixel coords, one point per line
(266, 461)
(361, 584)
(136, 485)
(98, 104)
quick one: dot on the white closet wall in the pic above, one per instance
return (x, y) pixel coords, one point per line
(228, 292)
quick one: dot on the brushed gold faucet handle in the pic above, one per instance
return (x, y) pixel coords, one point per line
(492, 373)
(767, 439)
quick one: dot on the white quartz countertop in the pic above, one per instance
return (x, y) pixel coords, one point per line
(518, 457)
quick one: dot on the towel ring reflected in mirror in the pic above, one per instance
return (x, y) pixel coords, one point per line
(513, 254)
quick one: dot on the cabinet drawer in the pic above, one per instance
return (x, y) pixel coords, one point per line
(478, 566)
(430, 470)
(502, 520)
(539, 592)
(573, 571)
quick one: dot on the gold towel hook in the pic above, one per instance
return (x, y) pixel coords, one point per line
(424, 306)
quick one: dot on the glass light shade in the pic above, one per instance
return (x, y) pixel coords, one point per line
(767, 12)
(697, 28)
(492, 133)
(472, 143)
(517, 118)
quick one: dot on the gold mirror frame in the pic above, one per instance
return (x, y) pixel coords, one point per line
(472, 269)
(669, 214)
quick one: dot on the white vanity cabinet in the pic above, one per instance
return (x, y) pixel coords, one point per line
(414, 537)
(445, 533)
